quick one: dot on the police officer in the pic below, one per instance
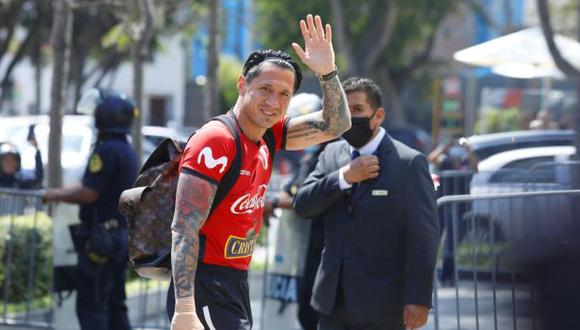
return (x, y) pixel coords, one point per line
(11, 173)
(102, 240)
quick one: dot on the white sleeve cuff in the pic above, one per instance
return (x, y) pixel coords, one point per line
(342, 181)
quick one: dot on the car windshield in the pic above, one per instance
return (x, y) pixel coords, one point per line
(72, 141)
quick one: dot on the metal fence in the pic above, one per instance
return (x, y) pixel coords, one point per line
(490, 245)
(26, 264)
(488, 242)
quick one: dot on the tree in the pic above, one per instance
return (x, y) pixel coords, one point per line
(211, 96)
(34, 19)
(143, 34)
(385, 40)
(61, 44)
(564, 65)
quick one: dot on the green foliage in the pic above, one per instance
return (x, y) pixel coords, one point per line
(277, 22)
(24, 237)
(229, 71)
(116, 37)
(277, 25)
(497, 120)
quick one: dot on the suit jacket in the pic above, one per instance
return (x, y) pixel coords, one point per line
(380, 241)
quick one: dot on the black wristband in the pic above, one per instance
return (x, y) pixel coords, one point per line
(328, 76)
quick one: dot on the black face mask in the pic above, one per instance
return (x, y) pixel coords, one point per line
(360, 132)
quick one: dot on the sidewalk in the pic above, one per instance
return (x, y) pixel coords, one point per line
(473, 313)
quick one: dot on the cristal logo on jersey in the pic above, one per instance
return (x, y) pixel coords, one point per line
(210, 162)
(263, 156)
(239, 247)
(247, 203)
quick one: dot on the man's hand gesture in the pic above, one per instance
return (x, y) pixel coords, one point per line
(318, 54)
(361, 169)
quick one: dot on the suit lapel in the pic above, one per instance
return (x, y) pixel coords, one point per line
(343, 156)
(384, 148)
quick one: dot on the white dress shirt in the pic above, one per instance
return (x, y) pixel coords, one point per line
(366, 150)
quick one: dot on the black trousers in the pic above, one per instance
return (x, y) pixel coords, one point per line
(222, 298)
(100, 303)
(339, 319)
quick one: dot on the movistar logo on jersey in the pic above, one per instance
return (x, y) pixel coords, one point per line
(249, 203)
(238, 247)
(210, 162)
(263, 156)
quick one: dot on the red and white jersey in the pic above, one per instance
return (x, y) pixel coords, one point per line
(232, 229)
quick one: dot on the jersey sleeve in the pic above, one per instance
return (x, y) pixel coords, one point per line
(209, 153)
(100, 170)
(279, 129)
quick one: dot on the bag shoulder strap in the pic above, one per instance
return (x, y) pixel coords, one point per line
(271, 143)
(231, 176)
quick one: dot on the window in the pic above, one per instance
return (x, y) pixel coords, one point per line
(519, 171)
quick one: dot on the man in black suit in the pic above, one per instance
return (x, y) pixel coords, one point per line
(377, 201)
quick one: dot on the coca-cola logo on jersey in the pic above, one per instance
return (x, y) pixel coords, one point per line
(247, 203)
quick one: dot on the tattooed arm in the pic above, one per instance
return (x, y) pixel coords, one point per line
(321, 126)
(334, 119)
(192, 205)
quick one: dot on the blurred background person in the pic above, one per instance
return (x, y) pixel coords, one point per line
(543, 121)
(11, 173)
(313, 236)
(455, 164)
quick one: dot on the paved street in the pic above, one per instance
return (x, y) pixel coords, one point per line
(447, 306)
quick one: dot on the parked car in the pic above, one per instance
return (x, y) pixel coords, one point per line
(78, 137)
(487, 145)
(523, 170)
(156, 134)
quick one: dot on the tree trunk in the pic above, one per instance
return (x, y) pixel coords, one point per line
(211, 101)
(37, 80)
(18, 56)
(61, 45)
(339, 35)
(77, 77)
(391, 100)
(569, 70)
(140, 53)
(8, 26)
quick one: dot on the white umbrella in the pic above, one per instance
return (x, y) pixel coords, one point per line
(522, 54)
(523, 70)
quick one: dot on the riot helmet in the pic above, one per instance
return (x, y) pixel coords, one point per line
(113, 112)
(9, 159)
(304, 103)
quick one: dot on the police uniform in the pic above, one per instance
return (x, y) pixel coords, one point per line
(101, 291)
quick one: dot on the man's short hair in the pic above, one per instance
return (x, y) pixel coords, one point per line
(372, 90)
(276, 57)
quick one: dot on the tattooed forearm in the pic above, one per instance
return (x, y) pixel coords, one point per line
(192, 206)
(321, 126)
(335, 109)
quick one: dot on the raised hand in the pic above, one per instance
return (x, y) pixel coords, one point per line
(318, 53)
